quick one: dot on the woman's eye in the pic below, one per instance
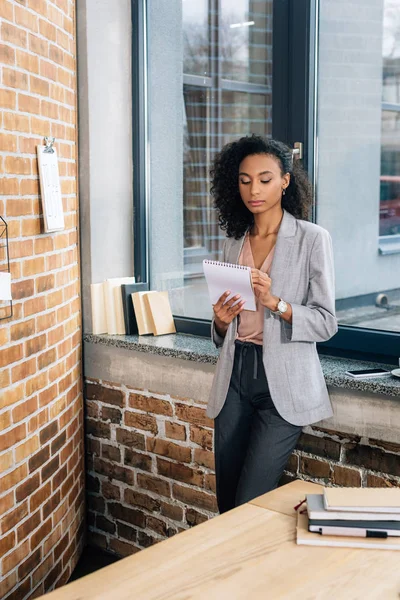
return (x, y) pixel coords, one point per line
(266, 181)
(245, 182)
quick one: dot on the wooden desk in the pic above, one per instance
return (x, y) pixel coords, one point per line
(249, 552)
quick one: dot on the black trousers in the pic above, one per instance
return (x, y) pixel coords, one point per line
(252, 442)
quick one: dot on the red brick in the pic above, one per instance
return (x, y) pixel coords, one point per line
(153, 484)
(15, 35)
(23, 410)
(150, 404)
(204, 458)
(194, 517)
(28, 526)
(7, 542)
(171, 511)
(12, 437)
(346, 477)
(139, 500)
(202, 437)
(193, 415)
(15, 79)
(194, 497)
(180, 472)
(314, 468)
(141, 421)
(12, 519)
(14, 559)
(169, 449)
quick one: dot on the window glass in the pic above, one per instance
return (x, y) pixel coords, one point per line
(358, 158)
(222, 73)
(196, 39)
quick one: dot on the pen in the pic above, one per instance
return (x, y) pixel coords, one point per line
(344, 531)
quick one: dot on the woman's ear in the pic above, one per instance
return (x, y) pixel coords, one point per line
(286, 180)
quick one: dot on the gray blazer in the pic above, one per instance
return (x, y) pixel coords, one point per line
(302, 273)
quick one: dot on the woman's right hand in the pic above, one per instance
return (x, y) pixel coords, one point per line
(224, 312)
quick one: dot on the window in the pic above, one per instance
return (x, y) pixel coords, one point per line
(205, 76)
(359, 157)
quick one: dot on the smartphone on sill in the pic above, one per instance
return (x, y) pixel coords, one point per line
(361, 373)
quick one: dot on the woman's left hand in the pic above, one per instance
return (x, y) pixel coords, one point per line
(262, 287)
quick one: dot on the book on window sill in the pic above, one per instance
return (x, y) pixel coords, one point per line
(309, 538)
(373, 500)
(162, 321)
(153, 313)
(113, 304)
(127, 290)
(99, 319)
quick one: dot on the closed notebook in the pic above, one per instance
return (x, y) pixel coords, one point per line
(222, 277)
(336, 527)
(160, 313)
(127, 290)
(316, 510)
(142, 312)
(308, 538)
(99, 319)
(373, 500)
(113, 304)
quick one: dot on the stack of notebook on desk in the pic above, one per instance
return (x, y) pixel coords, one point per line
(351, 517)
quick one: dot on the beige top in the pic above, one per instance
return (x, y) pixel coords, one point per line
(251, 324)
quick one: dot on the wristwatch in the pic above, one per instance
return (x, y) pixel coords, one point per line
(282, 307)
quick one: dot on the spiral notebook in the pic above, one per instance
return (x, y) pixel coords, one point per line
(222, 276)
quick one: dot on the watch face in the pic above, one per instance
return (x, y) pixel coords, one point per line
(282, 306)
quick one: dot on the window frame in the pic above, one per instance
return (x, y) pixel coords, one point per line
(295, 120)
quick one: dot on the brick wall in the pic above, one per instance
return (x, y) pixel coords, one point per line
(151, 466)
(41, 446)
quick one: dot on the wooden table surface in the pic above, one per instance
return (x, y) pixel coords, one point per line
(249, 552)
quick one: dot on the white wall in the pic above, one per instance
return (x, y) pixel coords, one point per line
(105, 142)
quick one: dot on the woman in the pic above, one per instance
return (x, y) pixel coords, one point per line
(268, 382)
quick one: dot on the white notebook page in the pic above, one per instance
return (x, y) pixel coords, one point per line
(221, 277)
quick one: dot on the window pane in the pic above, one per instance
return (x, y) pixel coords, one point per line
(242, 112)
(196, 160)
(391, 52)
(358, 159)
(193, 112)
(196, 39)
(246, 40)
(389, 213)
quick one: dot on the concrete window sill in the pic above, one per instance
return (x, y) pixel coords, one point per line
(201, 350)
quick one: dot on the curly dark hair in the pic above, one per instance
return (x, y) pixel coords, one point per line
(233, 216)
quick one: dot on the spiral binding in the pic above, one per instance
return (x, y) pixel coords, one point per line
(223, 264)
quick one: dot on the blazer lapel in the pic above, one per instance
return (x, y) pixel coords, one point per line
(283, 253)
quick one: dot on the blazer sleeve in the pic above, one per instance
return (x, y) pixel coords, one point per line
(316, 320)
(215, 337)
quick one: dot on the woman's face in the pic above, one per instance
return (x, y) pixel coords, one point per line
(261, 182)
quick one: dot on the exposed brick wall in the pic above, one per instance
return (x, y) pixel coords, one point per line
(334, 458)
(151, 466)
(41, 416)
